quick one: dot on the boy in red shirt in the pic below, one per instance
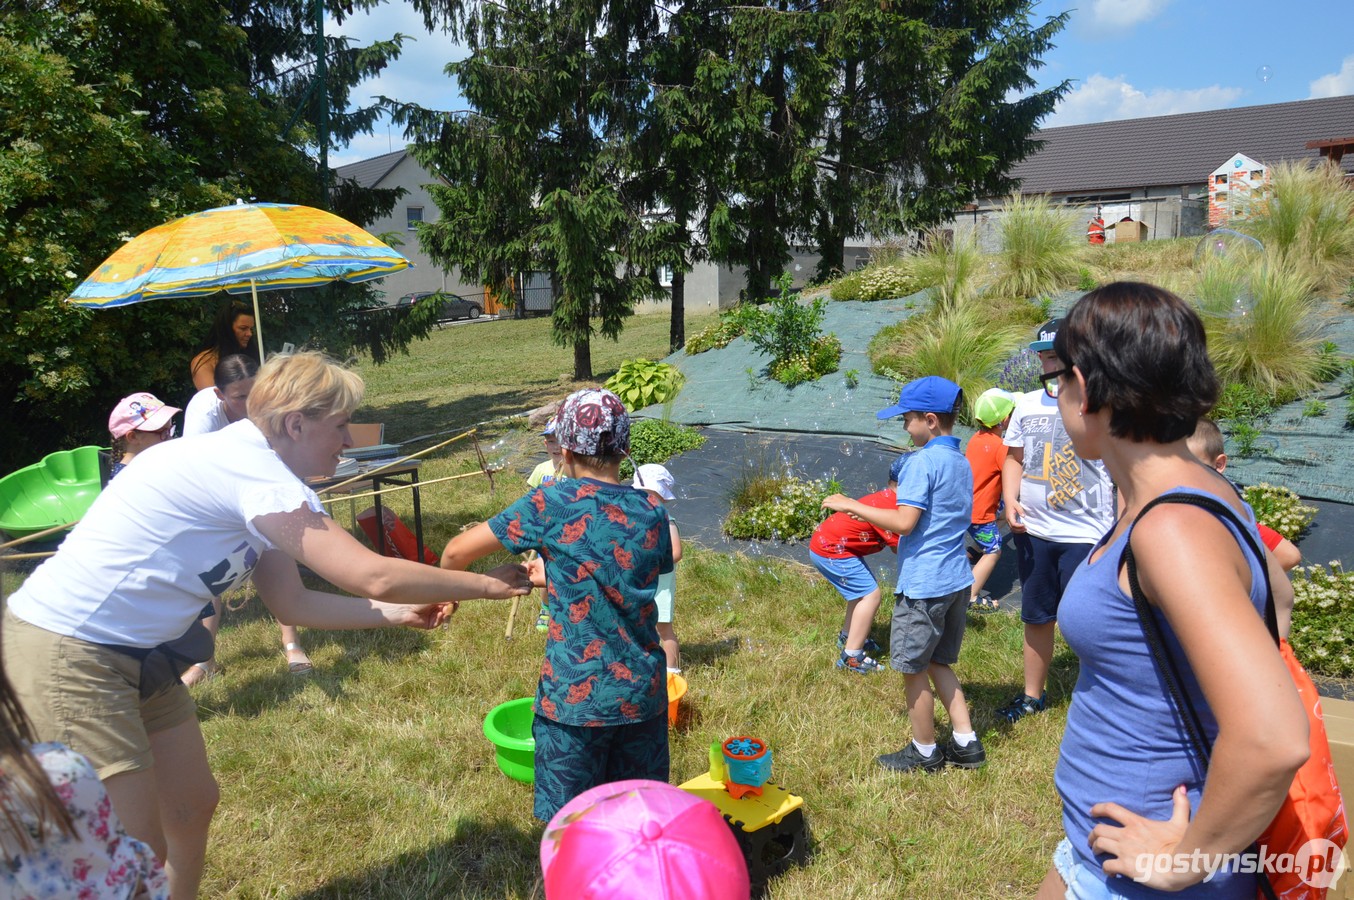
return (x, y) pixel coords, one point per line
(986, 453)
(836, 550)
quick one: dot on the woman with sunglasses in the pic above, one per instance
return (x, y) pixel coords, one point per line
(1142, 807)
(84, 637)
(138, 422)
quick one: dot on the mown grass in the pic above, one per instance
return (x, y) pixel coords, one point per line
(466, 374)
(372, 778)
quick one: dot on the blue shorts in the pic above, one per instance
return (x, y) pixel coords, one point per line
(1045, 567)
(570, 759)
(987, 536)
(850, 576)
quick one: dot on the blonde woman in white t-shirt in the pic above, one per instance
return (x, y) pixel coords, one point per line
(191, 520)
(212, 409)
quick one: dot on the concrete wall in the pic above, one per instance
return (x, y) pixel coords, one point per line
(1167, 211)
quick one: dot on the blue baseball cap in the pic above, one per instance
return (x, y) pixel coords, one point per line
(896, 469)
(1043, 338)
(931, 394)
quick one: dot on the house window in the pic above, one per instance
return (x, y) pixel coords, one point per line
(1257, 175)
(1221, 196)
(413, 215)
(1220, 179)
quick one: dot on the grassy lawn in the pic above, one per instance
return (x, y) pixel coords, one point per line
(472, 373)
(373, 779)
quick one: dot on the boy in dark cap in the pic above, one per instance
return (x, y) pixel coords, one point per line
(601, 702)
(935, 500)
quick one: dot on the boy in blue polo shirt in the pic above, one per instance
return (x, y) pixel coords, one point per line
(935, 500)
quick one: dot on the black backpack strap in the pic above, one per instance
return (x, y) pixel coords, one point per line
(1170, 673)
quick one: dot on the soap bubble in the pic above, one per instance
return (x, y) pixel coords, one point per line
(1230, 258)
(846, 448)
(1264, 73)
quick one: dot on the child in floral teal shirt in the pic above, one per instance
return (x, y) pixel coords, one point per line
(601, 703)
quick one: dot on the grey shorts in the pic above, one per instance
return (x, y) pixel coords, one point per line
(927, 630)
(87, 696)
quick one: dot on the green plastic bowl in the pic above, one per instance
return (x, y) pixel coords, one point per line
(508, 727)
(56, 491)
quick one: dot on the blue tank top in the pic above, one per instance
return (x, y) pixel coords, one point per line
(1124, 740)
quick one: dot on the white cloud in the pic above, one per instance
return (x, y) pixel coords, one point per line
(416, 77)
(1336, 84)
(1102, 99)
(1112, 16)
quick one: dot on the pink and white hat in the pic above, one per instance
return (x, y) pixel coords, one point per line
(140, 412)
(641, 838)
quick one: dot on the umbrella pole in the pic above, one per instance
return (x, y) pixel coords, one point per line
(258, 320)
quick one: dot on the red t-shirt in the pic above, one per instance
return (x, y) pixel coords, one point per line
(840, 536)
(985, 453)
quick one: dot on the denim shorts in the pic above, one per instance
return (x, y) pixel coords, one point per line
(1082, 883)
(850, 576)
(927, 630)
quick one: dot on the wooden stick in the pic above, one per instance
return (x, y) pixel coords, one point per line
(512, 614)
(39, 534)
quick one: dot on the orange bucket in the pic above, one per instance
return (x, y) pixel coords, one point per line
(676, 690)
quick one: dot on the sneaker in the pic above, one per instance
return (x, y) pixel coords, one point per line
(971, 757)
(910, 759)
(870, 647)
(861, 665)
(1022, 705)
(543, 620)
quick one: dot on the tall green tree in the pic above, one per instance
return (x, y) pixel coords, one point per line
(538, 174)
(931, 107)
(103, 135)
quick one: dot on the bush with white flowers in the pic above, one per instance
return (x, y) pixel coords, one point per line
(1280, 509)
(790, 509)
(1323, 619)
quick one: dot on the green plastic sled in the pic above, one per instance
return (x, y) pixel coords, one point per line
(56, 491)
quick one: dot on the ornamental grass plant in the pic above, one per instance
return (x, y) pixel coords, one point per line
(968, 344)
(1041, 248)
(1263, 325)
(1307, 222)
(952, 269)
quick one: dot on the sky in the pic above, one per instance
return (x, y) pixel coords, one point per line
(1125, 59)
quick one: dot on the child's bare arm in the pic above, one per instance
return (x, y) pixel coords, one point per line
(676, 542)
(470, 545)
(898, 519)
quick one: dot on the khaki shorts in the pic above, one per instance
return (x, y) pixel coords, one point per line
(87, 697)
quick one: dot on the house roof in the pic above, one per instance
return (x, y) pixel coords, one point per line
(369, 172)
(1182, 149)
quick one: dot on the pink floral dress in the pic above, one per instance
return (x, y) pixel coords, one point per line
(102, 863)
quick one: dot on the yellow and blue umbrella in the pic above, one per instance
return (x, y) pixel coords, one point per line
(245, 248)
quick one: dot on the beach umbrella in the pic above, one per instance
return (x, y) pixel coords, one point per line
(245, 248)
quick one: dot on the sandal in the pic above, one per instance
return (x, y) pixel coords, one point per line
(298, 668)
(985, 603)
(201, 672)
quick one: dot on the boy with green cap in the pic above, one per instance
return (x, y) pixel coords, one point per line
(935, 500)
(986, 453)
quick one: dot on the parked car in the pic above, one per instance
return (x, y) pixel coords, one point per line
(453, 306)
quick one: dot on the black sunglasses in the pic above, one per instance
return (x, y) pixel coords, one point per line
(1050, 381)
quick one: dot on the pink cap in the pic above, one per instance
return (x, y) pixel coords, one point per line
(140, 412)
(616, 839)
